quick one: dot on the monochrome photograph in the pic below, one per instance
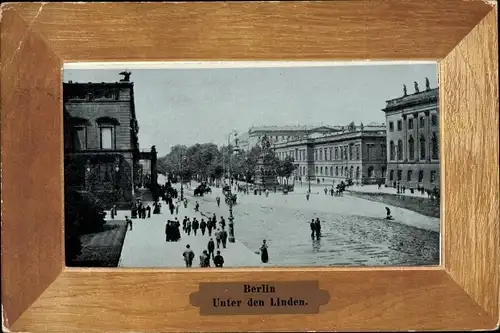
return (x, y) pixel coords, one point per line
(197, 165)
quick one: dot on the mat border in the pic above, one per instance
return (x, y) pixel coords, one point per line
(40, 295)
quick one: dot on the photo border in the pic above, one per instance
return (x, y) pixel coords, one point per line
(40, 294)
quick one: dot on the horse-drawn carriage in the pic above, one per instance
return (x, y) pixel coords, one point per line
(202, 189)
(233, 197)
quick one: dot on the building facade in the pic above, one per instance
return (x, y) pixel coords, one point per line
(413, 139)
(353, 152)
(279, 134)
(101, 140)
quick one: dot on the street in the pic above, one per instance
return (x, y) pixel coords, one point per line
(354, 231)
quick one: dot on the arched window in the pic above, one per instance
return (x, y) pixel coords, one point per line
(321, 171)
(316, 170)
(435, 147)
(331, 171)
(393, 151)
(357, 172)
(342, 171)
(351, 172)
(422, 148)
(370, 171)
(400, 150)
(411, 147)
(336, 171)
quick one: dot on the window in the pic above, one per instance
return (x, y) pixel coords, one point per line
(393, 150)
(107, 137)
(408, 176)
(321, 171)
(345, 153)
(331, 155)
(400, 150)
(80, 138)
(383, 147)
(326, 171)
(433, 176)
(422, 148)
(341, 153)
(383, 172)
(357, 172)
(420, 176)
(411, 148)
(400, 125)
(351, 153)
(351, 171)
(336, 171)
(341, 171)
(357, 152)
(331, 171)
(410, 124)
(391, 175)
(434, 120)
(422, 122)
(315, 154)
(370, 171)
(316, 170)
(400, 175)
(336, 153)
(435, 147)
(391, 126)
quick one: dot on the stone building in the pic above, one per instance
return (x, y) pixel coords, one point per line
(351, 152)
(276, 134)
(101, 147)
(413, 138)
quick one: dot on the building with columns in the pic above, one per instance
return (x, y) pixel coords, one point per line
(350, 152)
(412, 122)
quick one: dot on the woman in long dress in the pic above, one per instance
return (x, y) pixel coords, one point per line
(264, 256)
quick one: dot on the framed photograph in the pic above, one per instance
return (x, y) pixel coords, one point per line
(250, 166)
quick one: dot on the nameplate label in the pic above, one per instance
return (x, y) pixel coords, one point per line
(254, 298)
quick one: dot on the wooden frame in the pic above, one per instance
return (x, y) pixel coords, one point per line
(39, 294)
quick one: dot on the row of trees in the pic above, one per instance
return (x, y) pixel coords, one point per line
(209, 161)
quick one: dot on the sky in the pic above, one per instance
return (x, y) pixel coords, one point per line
(200, 105)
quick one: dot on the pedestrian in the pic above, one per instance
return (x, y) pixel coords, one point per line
(222, 222)
(185, 203)
(388, 211)
(167, 231)
(267, 192)
(218, 237)
(313, 228)
(223, 237)
(184, 224)
(204, 258)
(317, 226)
(307, 195)
(218, 260)
(113, 212)
(188, 227)
(188, 255)
(326, 191)
(176, 231)
(195, 225)
(129, 223)
(211, 247)
(218, 201)
(209, 227)
(264, 255)
(203, 226)
(177, 208)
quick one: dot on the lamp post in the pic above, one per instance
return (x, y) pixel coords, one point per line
(231, 237)
(182, 178)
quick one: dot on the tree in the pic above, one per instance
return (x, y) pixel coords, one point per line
(287, 168)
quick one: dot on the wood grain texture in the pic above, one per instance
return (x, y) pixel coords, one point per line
(158, 301)
(470, 151)
(37, 38)
(363, 29)
(32, 238)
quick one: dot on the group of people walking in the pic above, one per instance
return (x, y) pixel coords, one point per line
(205, 257)
(172, 232)
(315, 228)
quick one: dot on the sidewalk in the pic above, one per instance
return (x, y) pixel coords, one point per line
(387, 190)
(145, 244)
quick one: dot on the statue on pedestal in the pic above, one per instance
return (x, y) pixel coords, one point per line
(427, 84)
(405, 92)
(416, 87)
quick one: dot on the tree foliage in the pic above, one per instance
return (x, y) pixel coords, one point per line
(206, 160)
